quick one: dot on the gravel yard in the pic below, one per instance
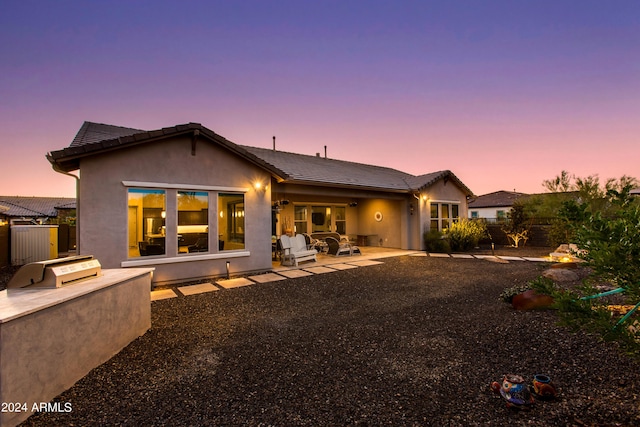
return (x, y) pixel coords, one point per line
(411, 341)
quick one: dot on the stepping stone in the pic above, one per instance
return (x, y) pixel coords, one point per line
(234, 283)
(437, 255)
(511, 258)
(319, 270)
(419, 254)
(265, 278)
(462, 256)
(496, 259)
(294, 274)
(365, 263)
(343, 266)
(197, 289)
(162, 294)
(536, 259)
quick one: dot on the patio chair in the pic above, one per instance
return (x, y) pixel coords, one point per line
(341, 248)
(294, 250)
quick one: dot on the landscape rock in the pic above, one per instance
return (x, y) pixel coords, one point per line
(560, 275)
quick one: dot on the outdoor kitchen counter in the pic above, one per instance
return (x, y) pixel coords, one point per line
(52, 337)
(15, 303)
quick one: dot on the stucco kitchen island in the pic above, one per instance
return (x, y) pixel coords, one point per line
(51, 338)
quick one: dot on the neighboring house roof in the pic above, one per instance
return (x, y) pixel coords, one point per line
(35, 207)
(497, 199)
(635, 192)
(285, 166)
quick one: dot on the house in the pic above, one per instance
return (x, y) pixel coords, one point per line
(18, 210)
(193, 204)
(493, 207)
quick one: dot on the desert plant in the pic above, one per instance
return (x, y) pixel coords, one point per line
(612, 244)
(465, 234)
(517, 226)
(434, 242)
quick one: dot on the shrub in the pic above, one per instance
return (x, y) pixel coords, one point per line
(465, 234)
(435, 242)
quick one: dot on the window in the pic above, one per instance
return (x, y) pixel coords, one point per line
(341, 219)
(320, 219)
(474, 214)
(193, 221)
(443, 215)
(231, 227)
(300, 219)
(146, 222)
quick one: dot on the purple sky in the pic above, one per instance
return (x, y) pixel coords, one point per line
(505, 94)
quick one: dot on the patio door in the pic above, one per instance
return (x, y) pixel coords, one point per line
(321, 219)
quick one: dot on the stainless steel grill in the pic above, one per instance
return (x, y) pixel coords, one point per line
(55, 273)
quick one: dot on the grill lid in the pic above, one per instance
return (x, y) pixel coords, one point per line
(55, 273)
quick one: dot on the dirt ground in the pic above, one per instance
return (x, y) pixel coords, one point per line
(410, 341)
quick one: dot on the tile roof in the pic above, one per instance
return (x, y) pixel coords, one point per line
(308, 169)
(496, 199)
(91, 132)
(32, 207)
(285, 166)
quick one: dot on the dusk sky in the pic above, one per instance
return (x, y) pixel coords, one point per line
(505, 94)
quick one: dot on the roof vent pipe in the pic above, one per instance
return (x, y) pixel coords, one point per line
(325, 151)
(274, 143)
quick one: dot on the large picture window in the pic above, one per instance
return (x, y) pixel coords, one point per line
(443, 215)
(146, 222)
(231, 224)
(193, 221)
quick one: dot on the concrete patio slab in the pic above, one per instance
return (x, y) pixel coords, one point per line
(437, 255)
(235, 283)
(294, 274)
(343, 266)
(162, 294)
(197, 289)
(536, 259)
(265, 278)
(319, 270)
(494, 259)
(365, 263)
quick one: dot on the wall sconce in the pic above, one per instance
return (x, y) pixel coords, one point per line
(259, 186)
(278, 204)
(411, 208)
(163, 214)
(424, 198)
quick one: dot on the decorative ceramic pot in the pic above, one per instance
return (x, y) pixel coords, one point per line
(514, 390)
(543, 388)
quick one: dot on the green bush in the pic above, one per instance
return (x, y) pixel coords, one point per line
(465, 234)
(612, 244)
(434, 242)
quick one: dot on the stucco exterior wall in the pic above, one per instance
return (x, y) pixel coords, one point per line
(104, 209)
(440, 192)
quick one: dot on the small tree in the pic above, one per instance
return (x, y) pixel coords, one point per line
(612, 243)
(517, 226)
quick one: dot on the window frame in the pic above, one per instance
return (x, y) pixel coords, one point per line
(213, 192)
